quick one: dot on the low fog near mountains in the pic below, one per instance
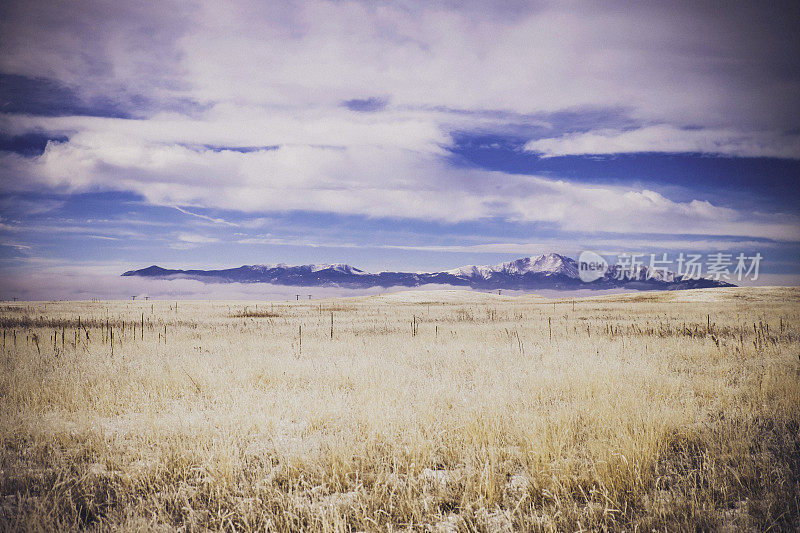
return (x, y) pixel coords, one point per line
(104, 281)
(543, 272)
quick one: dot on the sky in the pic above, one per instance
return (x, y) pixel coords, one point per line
(408, 135)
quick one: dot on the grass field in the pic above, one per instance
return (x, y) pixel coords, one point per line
(428, 411)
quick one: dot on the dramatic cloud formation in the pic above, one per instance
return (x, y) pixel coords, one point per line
(397, 113)
(664, 138)
(379, 181)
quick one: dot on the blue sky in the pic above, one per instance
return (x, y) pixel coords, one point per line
(390, 135)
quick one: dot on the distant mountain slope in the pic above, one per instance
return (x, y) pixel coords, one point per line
(546, 271)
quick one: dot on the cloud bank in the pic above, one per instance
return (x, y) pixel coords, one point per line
(664, 138)
(353, 108)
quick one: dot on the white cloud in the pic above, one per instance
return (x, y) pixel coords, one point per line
(196, 239)
(654, 60)
(275, 74)
(204, 217)
(378, 181)
(18, 247)
(665, 138)
(122, 229)
(680, 64)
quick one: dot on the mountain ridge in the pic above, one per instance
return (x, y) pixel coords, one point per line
(545, 271)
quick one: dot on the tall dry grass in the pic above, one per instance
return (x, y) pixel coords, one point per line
(437, 411)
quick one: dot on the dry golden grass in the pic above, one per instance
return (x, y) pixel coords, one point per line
(439, 411)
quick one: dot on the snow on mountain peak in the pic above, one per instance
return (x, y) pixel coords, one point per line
(338, 267)
(314, 267)
(471, 271)
(544, 263)
(268, 266)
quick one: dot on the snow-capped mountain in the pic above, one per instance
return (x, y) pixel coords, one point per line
(472, 271)
(546, 271)
(316, 267)
(338, 267)
(547, 264)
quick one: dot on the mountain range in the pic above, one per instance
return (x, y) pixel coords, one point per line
(546, 271)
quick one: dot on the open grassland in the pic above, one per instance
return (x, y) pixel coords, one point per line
(431, 411)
